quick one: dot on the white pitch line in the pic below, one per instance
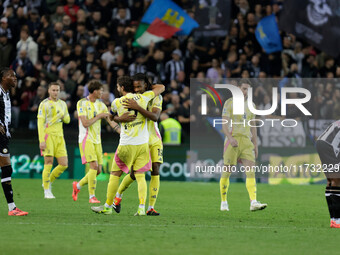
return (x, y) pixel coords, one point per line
(153, 225)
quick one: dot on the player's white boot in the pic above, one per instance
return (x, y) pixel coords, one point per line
(48, 194)
(256, 205)
(224, 206)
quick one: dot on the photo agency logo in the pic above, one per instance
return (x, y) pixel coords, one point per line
(241, 100)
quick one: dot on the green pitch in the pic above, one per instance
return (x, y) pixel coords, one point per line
(295, 222)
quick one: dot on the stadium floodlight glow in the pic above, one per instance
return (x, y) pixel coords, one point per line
(238, 100)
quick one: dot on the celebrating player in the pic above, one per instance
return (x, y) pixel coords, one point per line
(141, 84)
(240, 144)
(328, 147)
(90, 112)
(8, 80)
(133, 150)
(51, 115)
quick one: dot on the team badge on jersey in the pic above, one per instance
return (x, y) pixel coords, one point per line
(80, 109)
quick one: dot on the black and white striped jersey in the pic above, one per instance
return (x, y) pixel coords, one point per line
(5, 110)
(173, 67)
(332, 136)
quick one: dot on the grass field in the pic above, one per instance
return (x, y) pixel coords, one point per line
(295, 222)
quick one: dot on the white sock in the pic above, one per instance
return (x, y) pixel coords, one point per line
(91, 196)
(108, 206)
(11, 206)
(119, 195)
(337, 220)
(150, 207)
(333, 219)
(78, 186)
(141, 206)
(224, 202)
(253, 201)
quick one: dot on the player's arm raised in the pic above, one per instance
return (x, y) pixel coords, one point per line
(158, 89)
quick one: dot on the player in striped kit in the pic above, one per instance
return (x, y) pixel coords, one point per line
(8, 80)
(328, 147)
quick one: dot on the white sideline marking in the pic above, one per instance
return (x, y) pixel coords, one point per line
(153, 225)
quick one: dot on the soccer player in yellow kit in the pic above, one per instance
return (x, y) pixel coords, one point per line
(240, 144)
(133, 150)
(90, 112)
(52, 113)
(152, 113)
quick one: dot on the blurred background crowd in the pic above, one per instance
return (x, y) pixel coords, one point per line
(73, 42)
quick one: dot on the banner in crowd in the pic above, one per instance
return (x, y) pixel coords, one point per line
(213, 17)
(316, 21)
(161, 21)
(267, 34)
(276, 135)
(316, 127)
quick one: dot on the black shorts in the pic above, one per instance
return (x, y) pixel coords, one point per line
(330, 161)
(4, 149)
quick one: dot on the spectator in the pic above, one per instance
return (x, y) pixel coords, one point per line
(184, 116)
(4, 29)
(175, 65)
(137, 66)
(58, 15)
(6, 50)
(34, 105)
(170, 129)
(24, 62)
(34, 23)
(26, 43)
(108, 57)
(71, 10)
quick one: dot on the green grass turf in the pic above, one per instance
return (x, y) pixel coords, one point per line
(295, 222)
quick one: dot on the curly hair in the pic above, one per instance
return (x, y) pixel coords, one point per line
(3, 72)
(142, 77)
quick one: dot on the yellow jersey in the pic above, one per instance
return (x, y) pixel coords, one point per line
(90, 110)
(154, 134)
(134, 132)
(239, 125)
(51, 115)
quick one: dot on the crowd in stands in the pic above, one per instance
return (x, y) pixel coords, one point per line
(73, 42)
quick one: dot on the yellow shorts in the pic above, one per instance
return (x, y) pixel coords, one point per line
(136, 156)
(55, 146)
(90, 152)
(156, 152)
(244, 150)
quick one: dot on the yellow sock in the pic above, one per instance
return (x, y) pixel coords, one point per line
(153, 190)
(142, 188)
(46, 176)
(92, 175)
(251, 185)
(224, 186)
(57, 171)
(112, 188)
(125, 184)
(85, 180)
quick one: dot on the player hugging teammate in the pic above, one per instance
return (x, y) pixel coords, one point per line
(133, 152)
